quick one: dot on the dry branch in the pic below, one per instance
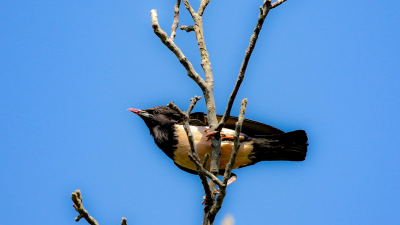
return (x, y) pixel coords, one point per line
(203, 6)
(228, 169)
(83, 213)
(204, 171)
(193, 102)
(178, 53)
(194, 156)
(176, 20)
(253, 40)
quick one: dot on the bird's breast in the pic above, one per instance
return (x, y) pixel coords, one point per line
(204, 146)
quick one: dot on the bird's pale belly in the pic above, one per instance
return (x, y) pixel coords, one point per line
(204, 146)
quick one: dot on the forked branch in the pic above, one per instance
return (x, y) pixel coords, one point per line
(207, 85)
(178, 53)
(228, 169)
(83, 213)
(193, 155)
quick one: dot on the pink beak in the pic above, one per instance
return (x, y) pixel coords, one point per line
(136, 111)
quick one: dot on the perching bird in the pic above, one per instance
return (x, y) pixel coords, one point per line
(259, 142)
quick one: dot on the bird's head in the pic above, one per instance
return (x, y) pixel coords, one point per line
(157, 116)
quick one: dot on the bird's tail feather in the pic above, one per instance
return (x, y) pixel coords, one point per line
(290, 146)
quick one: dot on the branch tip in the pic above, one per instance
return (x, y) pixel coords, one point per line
(176, 20)
(205, 160)
(203, 6)
(193, 102)
(83, 213)
(178, 53)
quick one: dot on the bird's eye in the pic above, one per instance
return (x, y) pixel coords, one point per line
(155, 112)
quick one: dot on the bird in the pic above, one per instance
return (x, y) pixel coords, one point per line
(259, 141)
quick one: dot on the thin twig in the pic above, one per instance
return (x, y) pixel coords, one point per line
(178, 53)
(205, 160)
(176, 20)
(187, 28)
(253, 40)
(185, 117)
(208, 93)
(204, 171)
(277, 3)
(218, 204)
(203, 6)
(193, 102)
(83, 213)
(236, 141)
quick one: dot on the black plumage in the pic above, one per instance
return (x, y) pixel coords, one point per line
(260, 142)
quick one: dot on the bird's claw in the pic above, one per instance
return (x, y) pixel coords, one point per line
(209, 134)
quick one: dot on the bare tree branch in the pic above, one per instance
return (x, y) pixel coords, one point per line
(193, 102)
(83, 213)
(194, 155)
(178, 53)
(208, 92)
(207, 85)
(187, 28)
(277, 3)
(218, 204)
(176, 20)
(203, 6)
(204, 171)
(236, 141)
(253, 40)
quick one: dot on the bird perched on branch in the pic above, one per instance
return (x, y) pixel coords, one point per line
(259, 142)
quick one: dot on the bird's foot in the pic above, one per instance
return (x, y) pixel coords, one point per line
(209, 134)
(230, 138)
(223, 136)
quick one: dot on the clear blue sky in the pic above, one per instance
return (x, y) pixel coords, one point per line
(70, 69)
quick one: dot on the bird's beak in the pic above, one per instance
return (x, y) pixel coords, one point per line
(138, 112)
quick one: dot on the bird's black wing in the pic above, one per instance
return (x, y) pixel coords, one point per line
(250, 127)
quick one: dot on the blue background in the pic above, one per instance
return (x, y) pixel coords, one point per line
(70, 69)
